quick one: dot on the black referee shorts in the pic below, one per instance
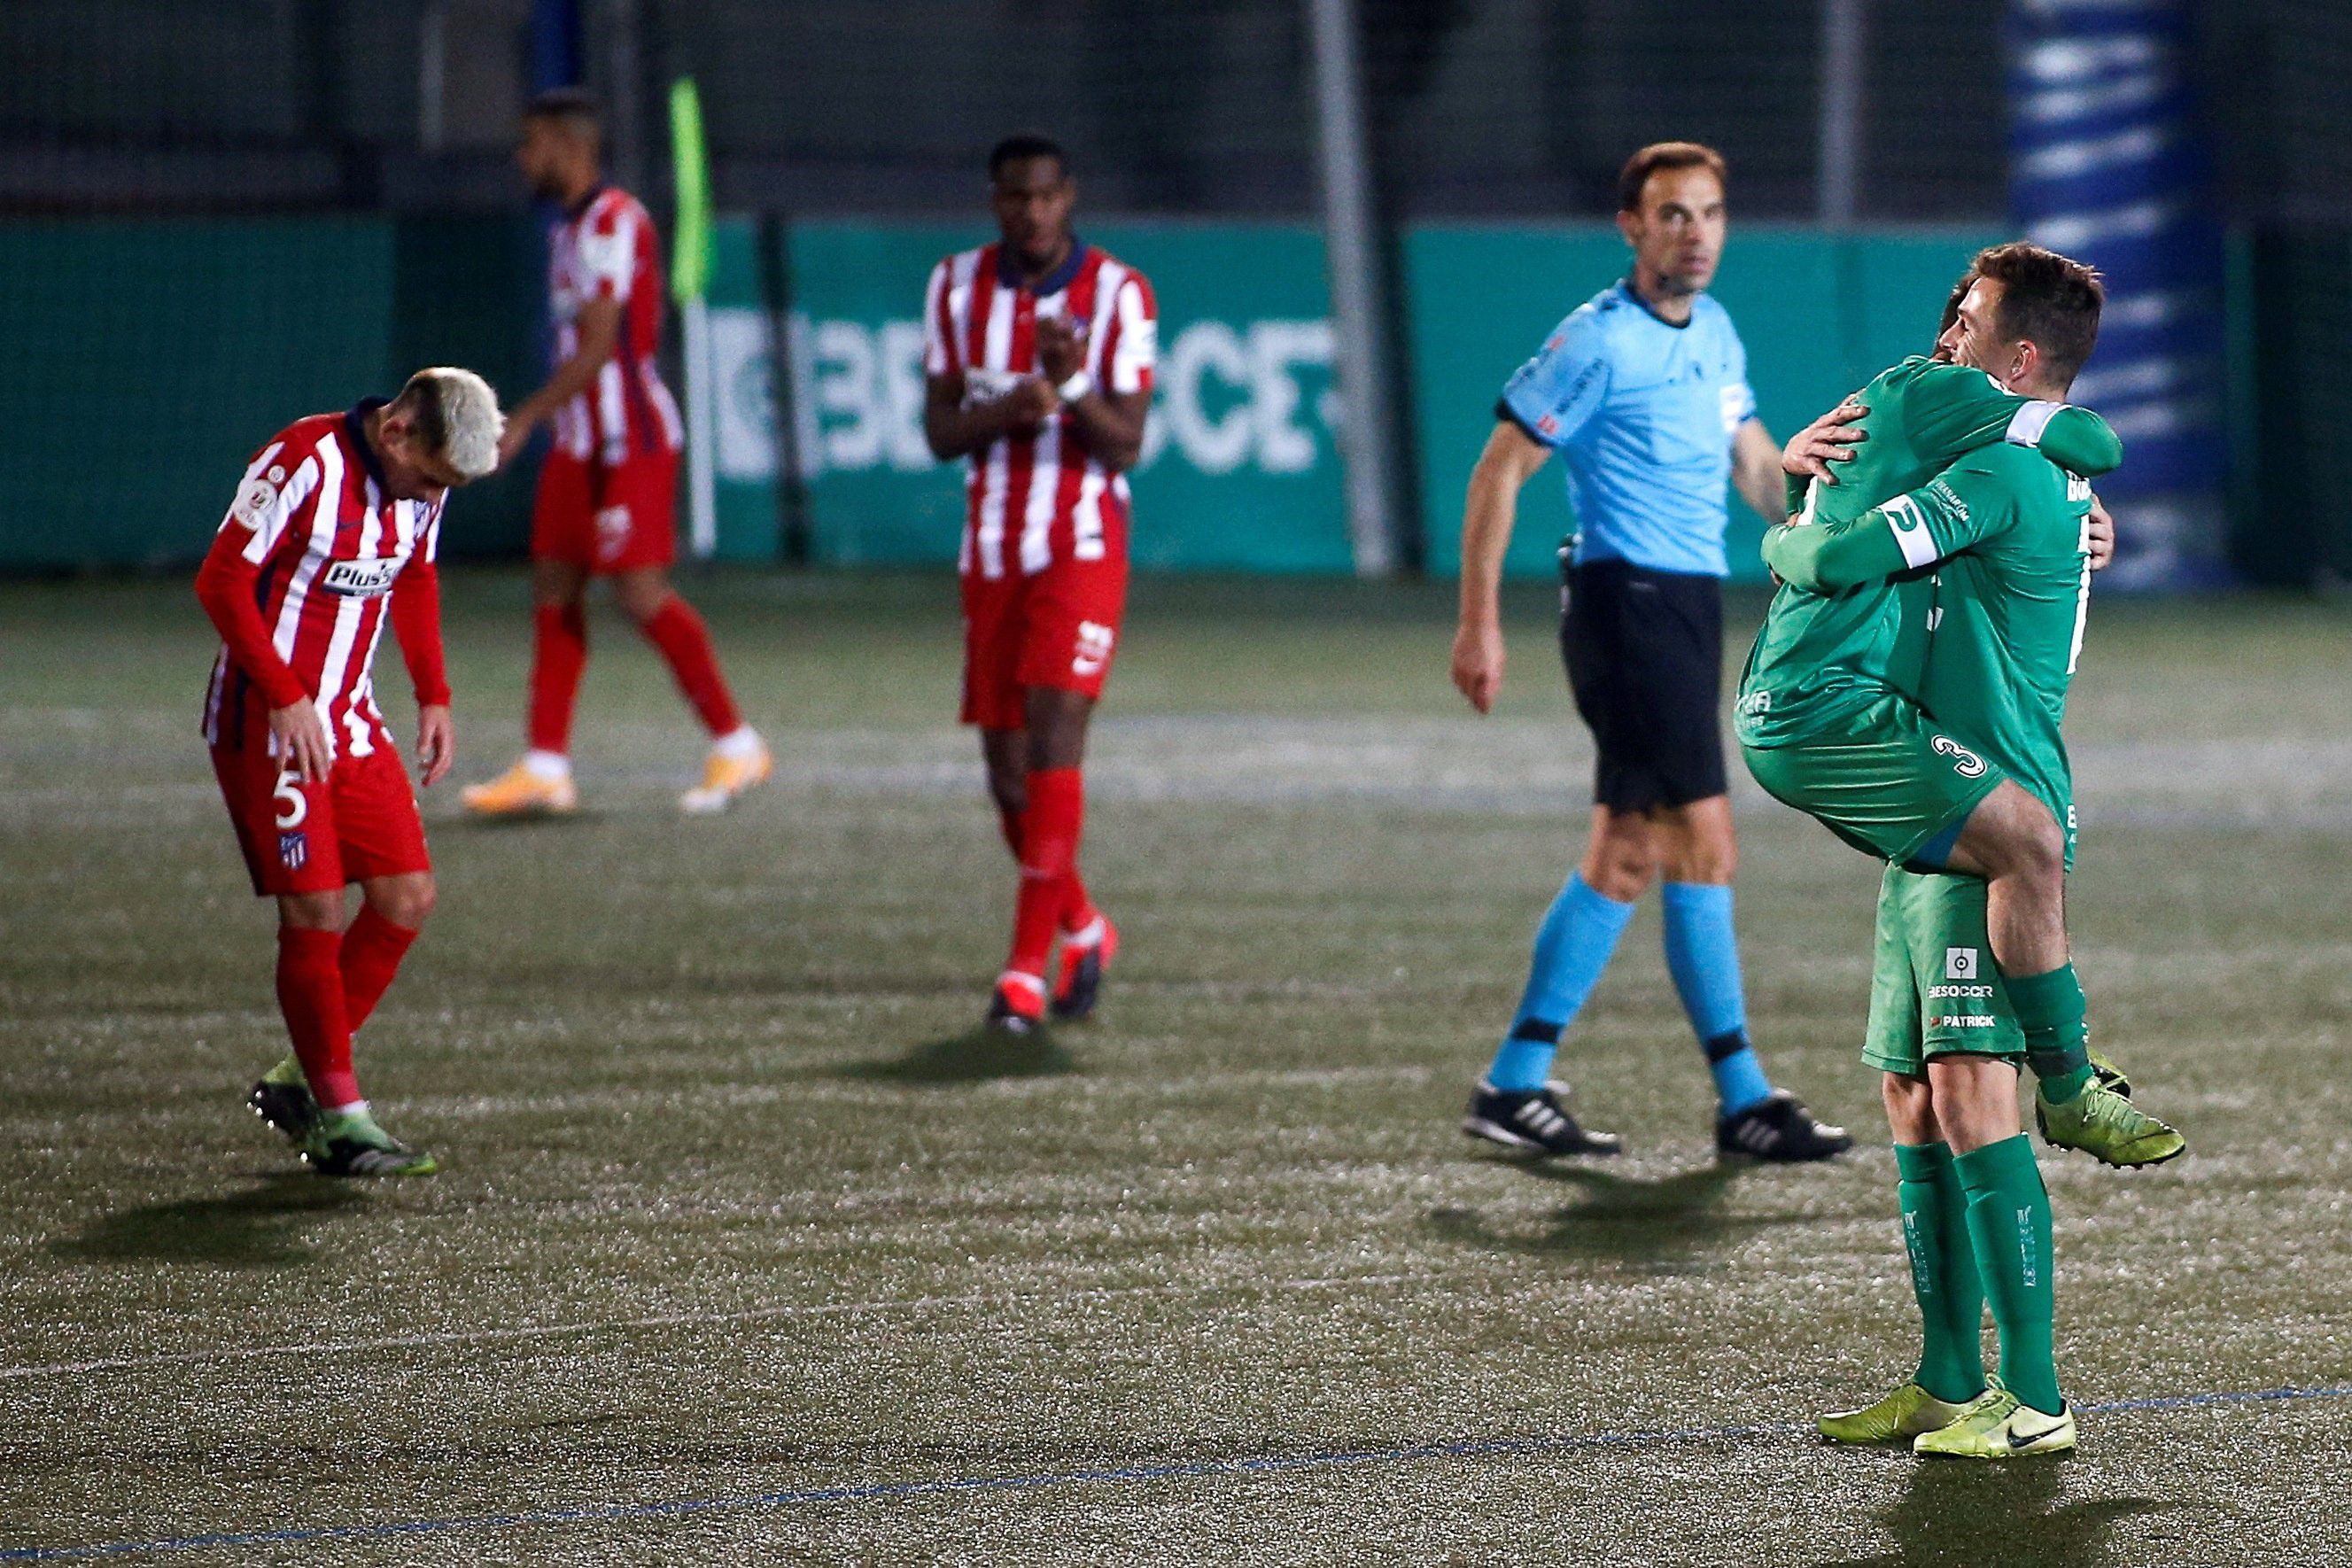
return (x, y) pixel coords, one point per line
(1645, 656)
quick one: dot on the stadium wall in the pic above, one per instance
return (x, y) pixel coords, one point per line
(165, 349)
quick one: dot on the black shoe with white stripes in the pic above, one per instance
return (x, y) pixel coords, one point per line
(1532, 1122)
(1779, 1129)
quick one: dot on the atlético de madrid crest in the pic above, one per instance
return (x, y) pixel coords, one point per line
(294, 849)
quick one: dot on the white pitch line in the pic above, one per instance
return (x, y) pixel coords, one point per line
(700, 1320)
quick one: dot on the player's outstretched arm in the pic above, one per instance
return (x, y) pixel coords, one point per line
(2075, 440)
(1488, 515)
(1957, 509)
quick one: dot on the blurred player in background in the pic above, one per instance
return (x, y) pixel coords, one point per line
(333, 532)
(1038, 353)
(1644, 389)
(607, 500)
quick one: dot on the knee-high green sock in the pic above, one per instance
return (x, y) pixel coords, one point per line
(2049, 1009)
(1943, 1272)
(2009, 1224)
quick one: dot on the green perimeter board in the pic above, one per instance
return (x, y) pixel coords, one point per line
(167, 351)
(1240, 472)
(1819, 317)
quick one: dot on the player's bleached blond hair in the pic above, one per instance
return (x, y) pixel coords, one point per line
(456, 417)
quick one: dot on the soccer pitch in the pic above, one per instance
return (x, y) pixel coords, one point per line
(748, 1247)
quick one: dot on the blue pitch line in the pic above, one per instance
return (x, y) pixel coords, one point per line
(1483, 1448)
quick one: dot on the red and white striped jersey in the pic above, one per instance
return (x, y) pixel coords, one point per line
(312, 518)
(607, 250)
(1032, 500)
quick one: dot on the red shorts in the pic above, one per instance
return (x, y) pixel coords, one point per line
(361, 821)
(1058, 628)
(605, 518)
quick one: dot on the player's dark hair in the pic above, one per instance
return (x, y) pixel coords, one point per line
(1664, 155)
(1023, 145)
(2049, 301)
(1952, 303)
(574, 108)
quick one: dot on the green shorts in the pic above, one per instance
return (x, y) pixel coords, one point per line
(1933, 988)
(1890, 782)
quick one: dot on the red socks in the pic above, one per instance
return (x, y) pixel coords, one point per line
(1049, 862)
(373, 949)
(310, 994)
(1078, 911)
(559, 654)
(684, 643)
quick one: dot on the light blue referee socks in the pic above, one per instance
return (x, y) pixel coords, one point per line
(1572, 947)
(1703, 958)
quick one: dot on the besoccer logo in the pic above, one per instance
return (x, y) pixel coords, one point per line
(1959, 963)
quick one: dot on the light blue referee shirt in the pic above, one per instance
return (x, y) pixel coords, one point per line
(1644, 412)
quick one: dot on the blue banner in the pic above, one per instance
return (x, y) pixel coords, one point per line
(2110, 167)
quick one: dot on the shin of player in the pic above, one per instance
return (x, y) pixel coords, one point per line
(607, 495)
(335, 534)
(1038, 353)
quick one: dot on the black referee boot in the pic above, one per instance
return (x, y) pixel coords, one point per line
(1779, 1128)
(1532, 1122)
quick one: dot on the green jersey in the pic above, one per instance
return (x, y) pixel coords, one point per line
(2010, 602)
(2007, 535)
(1823, 657)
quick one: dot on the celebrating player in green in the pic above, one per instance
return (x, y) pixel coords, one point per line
(1979, 785)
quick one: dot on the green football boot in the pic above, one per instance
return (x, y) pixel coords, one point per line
(1905, 1413)
(283, 1099)
(2104, 1069)
(349, 1144)
(1999, 1426)
(2108, 1127)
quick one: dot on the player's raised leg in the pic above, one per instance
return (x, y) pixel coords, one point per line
(2012, 841)
(738, 760)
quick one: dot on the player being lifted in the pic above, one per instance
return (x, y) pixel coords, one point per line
(608, 491)
(333, 532)
(1038, 354)
(1643, 390)
(1825, 728)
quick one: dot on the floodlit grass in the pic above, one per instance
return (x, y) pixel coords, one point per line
(737, 1206)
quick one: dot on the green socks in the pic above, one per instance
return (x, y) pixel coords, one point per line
(2009, 1222)
(1943, 1272)
(2049, 1009)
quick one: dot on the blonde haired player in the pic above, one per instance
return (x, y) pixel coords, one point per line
(334, 532)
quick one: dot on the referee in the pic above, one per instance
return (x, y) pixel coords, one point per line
(1643, 390)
